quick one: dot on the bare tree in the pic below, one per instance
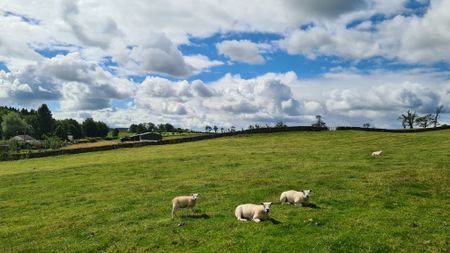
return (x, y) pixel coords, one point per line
(436, 115)
(408, 119)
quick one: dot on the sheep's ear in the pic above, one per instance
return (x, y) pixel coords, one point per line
(262, 203)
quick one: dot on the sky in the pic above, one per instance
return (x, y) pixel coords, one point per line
(227, 63)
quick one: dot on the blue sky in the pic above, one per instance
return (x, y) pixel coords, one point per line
(199, 63)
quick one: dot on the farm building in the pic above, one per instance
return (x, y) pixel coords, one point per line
(149, 136)
(27, 140)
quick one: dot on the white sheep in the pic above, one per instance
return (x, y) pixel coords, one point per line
(295, 197)
(377, 153)
(253, 212)
(187, 202)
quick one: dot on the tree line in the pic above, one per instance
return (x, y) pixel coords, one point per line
(411, 118)
(152, 127)
(40, 124)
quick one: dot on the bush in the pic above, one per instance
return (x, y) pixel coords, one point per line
(52, 142)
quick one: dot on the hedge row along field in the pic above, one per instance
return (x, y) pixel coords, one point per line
(120, 200)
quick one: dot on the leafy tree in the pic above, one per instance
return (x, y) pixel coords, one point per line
(45, 121)
(73, 128)
(141, 128)
(13, 124)
(151, 127)
(60, 130)
(102, 129)
(424, 121)
(437, 114)
(133, 128)
(208, 128)
(222, 130)
(89, 127)
(233, 129)
(215, 128)
(366, 125)
(169, 128)
(115, 133)
(408, 119)
(319, 122)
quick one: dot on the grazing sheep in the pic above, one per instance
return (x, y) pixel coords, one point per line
(377, 153)
(295, 197)
(187, 202)
(253, 212)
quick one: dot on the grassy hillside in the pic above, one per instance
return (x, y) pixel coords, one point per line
(120, 200)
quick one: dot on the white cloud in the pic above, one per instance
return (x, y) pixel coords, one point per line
(407, 39)
(241, 50)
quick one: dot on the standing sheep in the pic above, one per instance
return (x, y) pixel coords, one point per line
(377, 153)
(187, 202)
(253, 212)
(295, 197)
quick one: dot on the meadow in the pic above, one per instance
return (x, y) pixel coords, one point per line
(120, 200)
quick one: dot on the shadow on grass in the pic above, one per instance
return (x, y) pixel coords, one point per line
(311, 205)
(275, 222)
(199, 216)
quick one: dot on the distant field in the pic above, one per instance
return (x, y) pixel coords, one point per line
(119, 201)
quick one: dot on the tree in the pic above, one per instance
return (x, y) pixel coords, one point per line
(60, 131)
(89, 127)
(408, 119)
(424, 121)
(222, 130)
(169, 127)
(280, 124)
(115, 133)
(366, 125)
(45, 121)
(319, 122)
(102, 129)
(437, 114)
(151, 127)
(141, 128)
(208, 128)
(73, 128)
(233, 129)
(215, 128)
(132, 128)
(12, 125)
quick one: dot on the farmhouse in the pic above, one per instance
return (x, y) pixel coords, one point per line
(144, 137)
(27, 140)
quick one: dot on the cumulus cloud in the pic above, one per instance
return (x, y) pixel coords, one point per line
(241, 50)
(76, 83)
(405, 38)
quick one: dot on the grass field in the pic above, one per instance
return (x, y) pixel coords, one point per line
(120, 201)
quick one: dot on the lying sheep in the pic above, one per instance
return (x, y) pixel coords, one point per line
(187, 202)
(377, 153)
(295, 197)
(253, 212)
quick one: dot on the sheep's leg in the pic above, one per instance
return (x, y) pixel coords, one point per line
(256, 220)
(174, 212)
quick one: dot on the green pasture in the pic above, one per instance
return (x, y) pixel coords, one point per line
(120, 200)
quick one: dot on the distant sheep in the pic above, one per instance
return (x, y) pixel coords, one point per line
(187, 202)
(377, 153)
(253, 212)
(295, 197)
